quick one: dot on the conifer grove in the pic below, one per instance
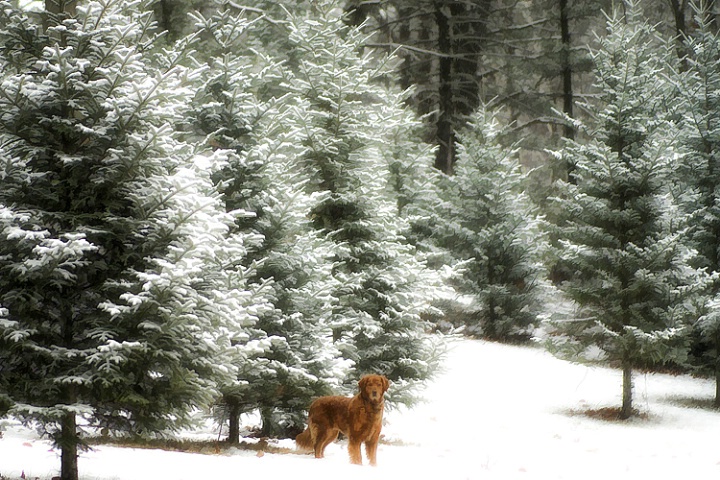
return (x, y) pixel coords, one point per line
(213, 209)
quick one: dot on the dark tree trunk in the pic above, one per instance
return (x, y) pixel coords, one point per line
(567, 81)
(234, 424)
(61, 6)
(712, 15)
(568, 100)
(716, 403)
(54, 9)
(270, 428)
(678, 8)
(717, 385)
(627, 394)
(445, 134)
(163, 15)
(69, 442)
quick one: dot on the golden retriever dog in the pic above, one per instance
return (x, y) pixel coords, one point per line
(359, 418)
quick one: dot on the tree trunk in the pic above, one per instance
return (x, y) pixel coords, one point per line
(627, 394)
(69, 447)
(712, 15)
(445, 134)
(163, 10)
(234, 427)
(678, 8)
(269, 424)
(60, 6)
(55, 10)
(568, 99)
(717, 384)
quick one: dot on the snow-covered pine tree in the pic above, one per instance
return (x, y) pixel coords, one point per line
(294, 358)
(620, 234)
(700, 169)
(114, 302)
(414, 182)
(487, 222)
(347, 123)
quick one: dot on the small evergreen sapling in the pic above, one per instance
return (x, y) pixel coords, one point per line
(489, 224)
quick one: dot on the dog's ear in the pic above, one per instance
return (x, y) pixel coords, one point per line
(386, 383)
(363, 382)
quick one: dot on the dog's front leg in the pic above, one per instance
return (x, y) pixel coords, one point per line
(371, 450)
(354, 451)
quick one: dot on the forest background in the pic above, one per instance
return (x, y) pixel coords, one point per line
(241, 206)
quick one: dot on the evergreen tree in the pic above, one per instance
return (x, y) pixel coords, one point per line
(620, 237)
(487, 222)
(700, 170)
(413, 181)
(115, 298)
(347, 123)
(294, 359)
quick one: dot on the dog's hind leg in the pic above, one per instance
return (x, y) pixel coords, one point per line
(322, 440)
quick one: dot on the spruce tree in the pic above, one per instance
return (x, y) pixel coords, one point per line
(347, 124)
(115, 299)
(236, 110)
(700, 171)
(488, 223)
(620, 236)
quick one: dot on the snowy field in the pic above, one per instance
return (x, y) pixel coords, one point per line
(497, 412)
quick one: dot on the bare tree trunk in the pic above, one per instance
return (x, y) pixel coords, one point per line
(445, 129)
(55, 8)
(716, 403)
(678, 10)
(567, 80)
(69, 448)
(712, 15)
(717, 386)
(163, 10)
(61, 6)
(234, 423)
(568, 99)
(627, 394)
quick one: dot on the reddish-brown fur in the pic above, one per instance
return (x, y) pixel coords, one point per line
(358, 417)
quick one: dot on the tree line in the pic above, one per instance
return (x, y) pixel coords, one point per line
(214, 206)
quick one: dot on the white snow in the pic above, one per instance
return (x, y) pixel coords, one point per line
(497, 412)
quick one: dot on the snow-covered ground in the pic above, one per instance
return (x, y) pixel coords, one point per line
(497, 412)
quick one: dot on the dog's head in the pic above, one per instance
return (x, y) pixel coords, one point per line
(372, 387)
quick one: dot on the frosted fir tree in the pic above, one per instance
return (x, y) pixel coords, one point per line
(630, 278)
(115, 299)
(294, 358)
(413, 181)
(348, 121)
(489, 224)
(700, 170)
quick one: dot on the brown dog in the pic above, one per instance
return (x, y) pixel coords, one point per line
(359, 418)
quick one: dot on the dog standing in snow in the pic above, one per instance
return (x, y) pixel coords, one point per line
(359, 418)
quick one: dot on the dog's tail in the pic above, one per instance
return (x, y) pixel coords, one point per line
(304, 441)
